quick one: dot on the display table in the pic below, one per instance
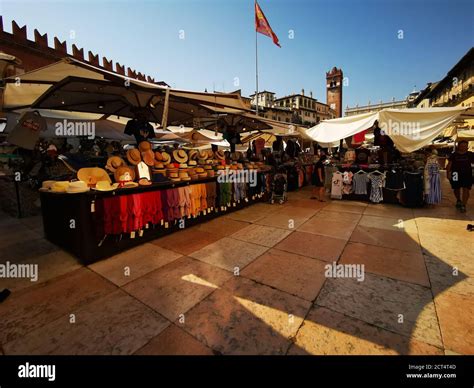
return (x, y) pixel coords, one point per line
(74, 222)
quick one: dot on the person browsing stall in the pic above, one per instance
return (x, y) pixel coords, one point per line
(459, 173)
(139, 127)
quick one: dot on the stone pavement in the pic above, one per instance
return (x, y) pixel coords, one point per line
(253, 282)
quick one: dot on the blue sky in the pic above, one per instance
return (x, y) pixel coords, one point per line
(218, 49)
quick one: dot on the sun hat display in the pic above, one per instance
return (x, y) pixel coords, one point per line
(207, 167)
(105, 186)
(114, 162)
(92, 175)
(149, 158)
(193, 154)
(203, 155)
(183, 165)
(192, 163)
(77, 187)
(199, 170)
(180, 156)
(60, 186)
(202, 161)
(124, 174)
(144, 146)
(166, 157)
(220, 155)
(134, 156)
(158, 156)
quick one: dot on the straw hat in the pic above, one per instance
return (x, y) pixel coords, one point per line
(173, 174)
(158, 156)
(166, 157)
(180, 156)
(192, 163)
(46, 185)
(220, 155)
(114, 162)
(144, 146)
(183, 165)
(207, 167)
(203, 155)
(203, 175)
(130, 185)
(77, 187)
(144, 182)
(220, 167)
(199, 170)
(158, 165)
(148, 157)
(211, 173)
(106, 186)
(60, 187)
(202, 161)
(175, 179)
(92, 175)
(124, 174)
(193, 154)
(183, 174)
(133, 156)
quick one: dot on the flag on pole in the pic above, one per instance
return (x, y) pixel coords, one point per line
(262, 25)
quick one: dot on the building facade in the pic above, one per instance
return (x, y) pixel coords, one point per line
(359, 109)
(334, 83)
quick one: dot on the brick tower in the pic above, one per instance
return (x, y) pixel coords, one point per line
(334, 90)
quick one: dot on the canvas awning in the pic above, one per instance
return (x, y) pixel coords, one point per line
(410, 129)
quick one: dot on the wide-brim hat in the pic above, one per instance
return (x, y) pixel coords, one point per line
(158, 156)
(60, 186)
(144, 182)
(106, 186)
(46, 185)
(144, 146)
(130, 185)
(92, 175)
(220, 155)
(114, 162)
(192, 163)
(120, 174)
(193, 154)
(133, 156)
(77, 187)
(148, 157)
(180, 156)
(199, 170)
(166, 157)
(203, 155)
(158, 165)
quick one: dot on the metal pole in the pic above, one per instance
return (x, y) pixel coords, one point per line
(256, 68)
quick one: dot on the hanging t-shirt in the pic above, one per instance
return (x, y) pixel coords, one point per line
(377, 182)
(336, 187)
(347, 182)
(27, 131)
(359, 183)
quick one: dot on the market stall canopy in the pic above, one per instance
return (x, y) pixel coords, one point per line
(58, 124)
(77, 86)
(410, 129)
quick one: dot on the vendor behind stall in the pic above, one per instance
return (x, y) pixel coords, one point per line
(139, 126)
(386, 145)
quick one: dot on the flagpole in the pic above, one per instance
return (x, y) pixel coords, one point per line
(256, 68)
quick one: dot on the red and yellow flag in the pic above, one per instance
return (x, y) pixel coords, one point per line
(262, 25)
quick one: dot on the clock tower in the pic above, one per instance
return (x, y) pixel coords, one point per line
(334, 79)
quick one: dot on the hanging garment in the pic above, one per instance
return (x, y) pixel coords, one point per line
(328, 171)
(347, 182)
(211, 194)
(377, 182)
(359, 183)
(432, 182)
(394, 179)
(203, 190)
(413, 195)
(164, 204)
(225, 193)
(336, 188)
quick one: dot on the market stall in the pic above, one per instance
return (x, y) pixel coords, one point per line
(392, 170)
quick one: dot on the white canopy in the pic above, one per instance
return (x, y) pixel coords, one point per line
(410, 129)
